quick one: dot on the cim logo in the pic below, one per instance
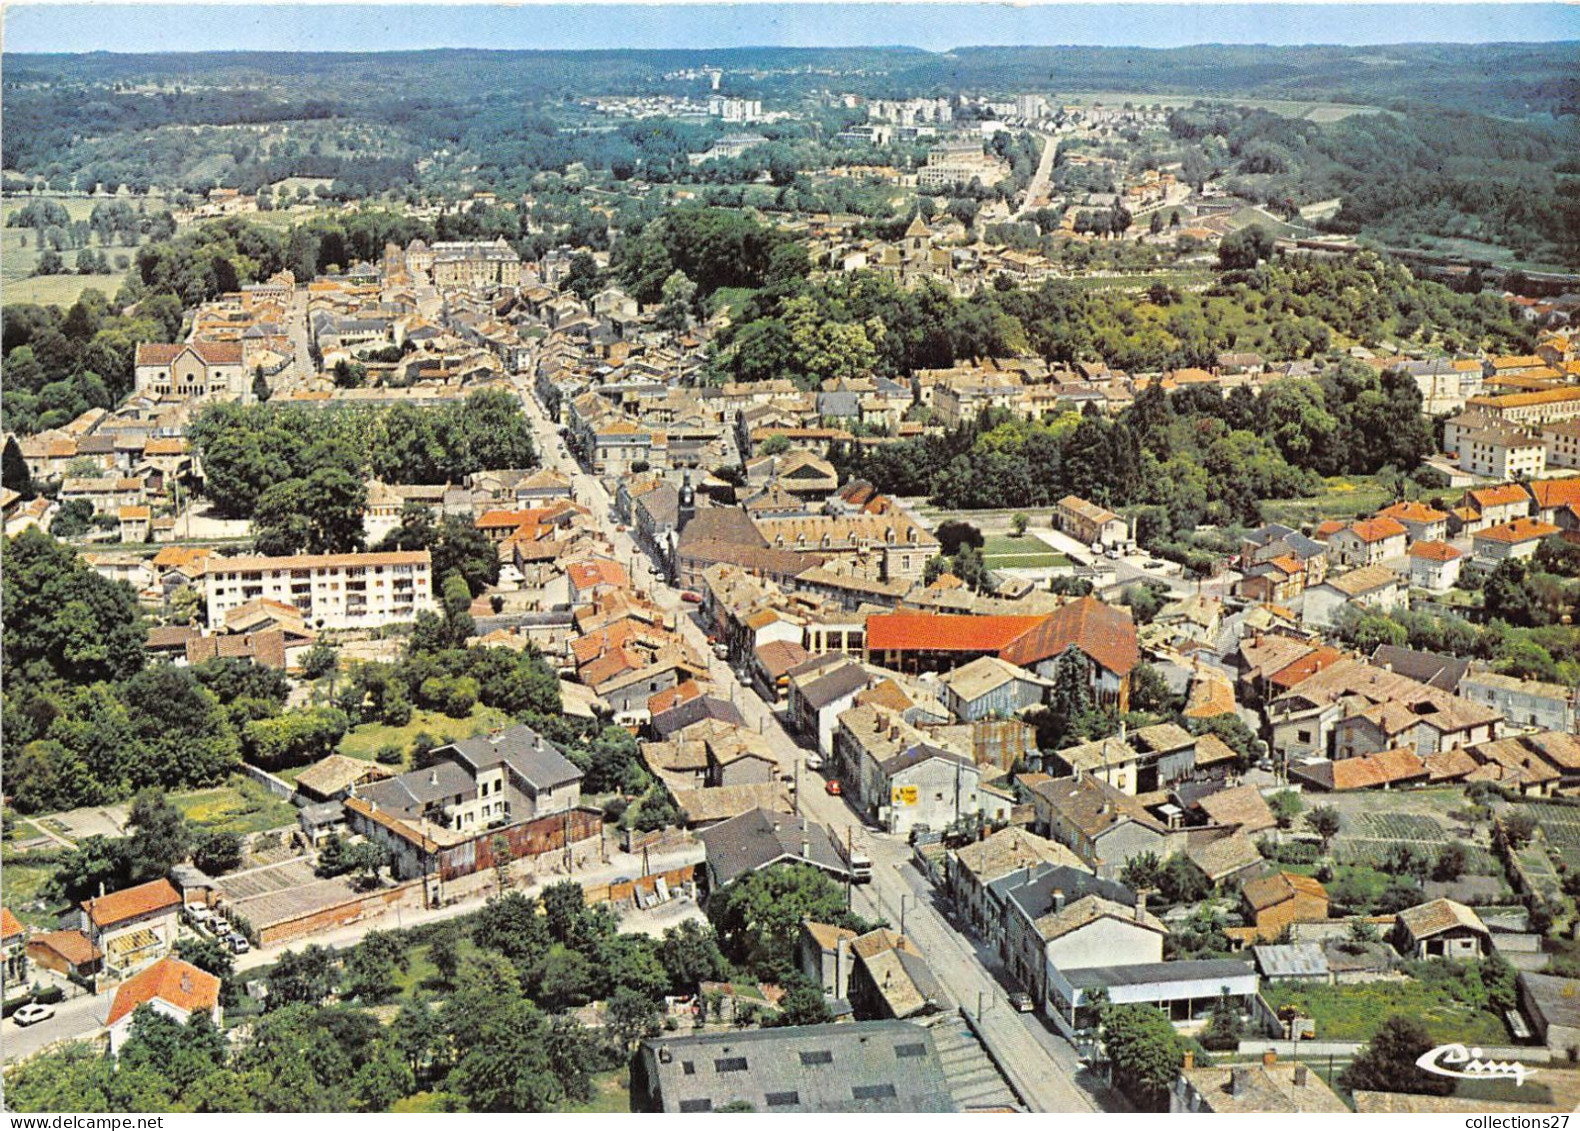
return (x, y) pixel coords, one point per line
(1460, 1063)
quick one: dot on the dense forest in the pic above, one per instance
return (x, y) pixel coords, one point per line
(1189, 457)
(1409, 178)
(1476, 159)
(1283, 308)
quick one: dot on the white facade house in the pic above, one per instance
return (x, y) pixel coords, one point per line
(330, 590)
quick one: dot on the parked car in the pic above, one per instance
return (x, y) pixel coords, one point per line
(691, 597)
(1021, 1002)
(32, 1013)
(833, 789)
(238, 943)
(814, 761)
(1152, 563)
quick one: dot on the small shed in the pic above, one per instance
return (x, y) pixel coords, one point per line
(1292, 962)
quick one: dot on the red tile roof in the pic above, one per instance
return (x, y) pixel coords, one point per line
(1551, 493)
(169, 980)
(1484, 497)
(10, 926)
(1435, 551)
(1520, 530)
(1377, 529)
(1307, 666)
(945, 632)
(1105, 633)
(129, 903)
(211, 353)
(73, 946)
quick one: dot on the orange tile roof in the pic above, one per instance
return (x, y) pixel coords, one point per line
(1550, 493)
(73, 946)
(10, 926)
(1525, 400)
(1520, 530)
(1306, 667)
(1435, 551)
(1413, 512)
(670, 697)
(129, 903)
(1105, 633)
(1377, 529)
(1484, 497)
(1326, 530)
(586, 574)
(169, 980)
(945, 632)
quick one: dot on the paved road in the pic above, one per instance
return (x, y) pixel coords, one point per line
(76, 1017)
(1044, 1067)
(1037, 190)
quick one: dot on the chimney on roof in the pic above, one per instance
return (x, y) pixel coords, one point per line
(1058, 898)
(433, 777)
(1269, 1057)
(894, 732)
(1300, 1075)
(186, 981)
(1141, 906)
(1239, 1081)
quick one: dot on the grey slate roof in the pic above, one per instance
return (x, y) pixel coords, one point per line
(921, 752)
(862, 1066)
(1199, 969)
(408, 794)
(683, 714)
(847, 679)
(1032, 888)
(758, 838)
(1291, 960)
(533, 758)
(1431, 668)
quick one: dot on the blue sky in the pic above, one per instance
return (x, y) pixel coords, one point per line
(382, 27)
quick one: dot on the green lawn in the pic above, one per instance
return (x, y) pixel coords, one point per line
(1353, 1012)
(240, 807)
(1004, 551)
(611, 1092)
(364, 741)
(1345, 497)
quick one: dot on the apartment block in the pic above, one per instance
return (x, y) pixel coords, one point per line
(330, 590)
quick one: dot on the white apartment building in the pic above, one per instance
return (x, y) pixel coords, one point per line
(1562, 441)
(330, 590)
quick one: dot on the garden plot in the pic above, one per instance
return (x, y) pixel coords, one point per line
(1560, 825)
(1374, 825)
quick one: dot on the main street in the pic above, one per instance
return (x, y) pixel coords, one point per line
(1041, 1065)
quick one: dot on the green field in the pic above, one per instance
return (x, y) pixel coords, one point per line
(1353, 1012)
(1345, 497)
(81, 207)
(241, 807)
(1004, 551)
(611, 1092)
(19, 886)
(364, 741)
(16, 272)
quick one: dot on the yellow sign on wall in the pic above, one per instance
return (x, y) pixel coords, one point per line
(904, 795)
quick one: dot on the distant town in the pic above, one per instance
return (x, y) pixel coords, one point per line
(759, 589)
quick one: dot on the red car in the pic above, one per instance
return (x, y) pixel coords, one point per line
(833, 789)
(691, 598)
